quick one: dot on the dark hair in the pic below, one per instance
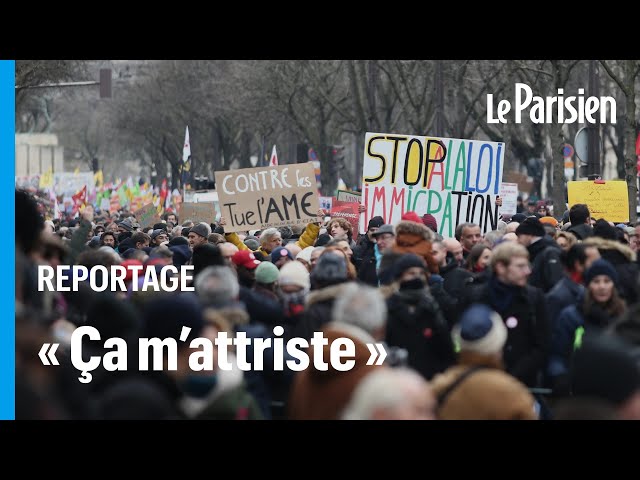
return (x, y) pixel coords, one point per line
(474, 255)
(140, 237)
(322, 240)
(577, 253)
(166, 216)
(104, 234)
(29, 222)
(578, 214)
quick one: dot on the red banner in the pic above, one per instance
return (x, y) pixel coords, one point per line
(348, 211)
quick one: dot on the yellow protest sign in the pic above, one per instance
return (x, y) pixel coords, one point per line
(608, 200)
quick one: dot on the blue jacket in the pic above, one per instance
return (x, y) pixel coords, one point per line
(565, 292)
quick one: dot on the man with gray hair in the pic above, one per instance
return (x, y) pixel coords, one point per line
(363, 307)
(392, 394)
(217, 286)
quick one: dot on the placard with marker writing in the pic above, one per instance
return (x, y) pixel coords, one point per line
(608, 200)
(263, 197)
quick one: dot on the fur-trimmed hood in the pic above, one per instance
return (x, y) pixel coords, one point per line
(419, 229)
(604, 244)
(324, 294)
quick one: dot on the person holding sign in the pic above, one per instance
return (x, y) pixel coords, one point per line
(271, 238)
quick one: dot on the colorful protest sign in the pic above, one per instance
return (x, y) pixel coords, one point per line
(147, 216)
(348, 211)
(509, 195)
(347, 196)
(455, 180)
(198, 212)
(608, 200)
(263, 197)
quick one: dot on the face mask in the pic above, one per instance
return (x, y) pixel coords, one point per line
(297, 298)
(413, 284)
(199, 386)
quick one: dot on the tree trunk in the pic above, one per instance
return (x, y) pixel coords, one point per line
(630, 154)
(557, 170)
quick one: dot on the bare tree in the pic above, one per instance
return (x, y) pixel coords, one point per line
(625, 74)
(308, 94)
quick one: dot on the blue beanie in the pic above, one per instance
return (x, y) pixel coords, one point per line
(601, 267)
(480, 330)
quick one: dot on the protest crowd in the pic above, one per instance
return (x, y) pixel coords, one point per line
(537, 319)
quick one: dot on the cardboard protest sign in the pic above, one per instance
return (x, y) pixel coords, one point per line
(347, 196)
(198, 212)
(608, 200)
(347, 210)
(147, 216)
(455, 180)
(263, 197)
(509, 195)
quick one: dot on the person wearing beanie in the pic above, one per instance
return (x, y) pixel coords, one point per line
(549, 221)
(570, 288)
(542, 210)
(544, 254)
(252, 242)
(293, 288)
(605, 368)
(477, 387)
(326, 279)
(604, 229)
(267, 281)
(599, 307)
(181, 253)
(411, 217)
(518, 218)
(415, 321)
(430, 221)
(365, 257)
(198, 235)
(620, 255)
(304, 257)
(280, 255)
(206, 255)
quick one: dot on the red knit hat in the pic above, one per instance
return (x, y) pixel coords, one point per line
(412, 217)
(430, 221)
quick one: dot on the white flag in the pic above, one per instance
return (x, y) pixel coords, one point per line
(274, 158)
(186, 150)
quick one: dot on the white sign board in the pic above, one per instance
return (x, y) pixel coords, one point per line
(455, 180)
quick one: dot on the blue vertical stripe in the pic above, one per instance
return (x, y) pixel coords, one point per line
(7, 200)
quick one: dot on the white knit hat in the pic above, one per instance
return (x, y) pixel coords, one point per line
(294, 273)
(305, 254)
(480, 330)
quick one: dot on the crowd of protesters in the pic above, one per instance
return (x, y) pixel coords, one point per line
(537, 319)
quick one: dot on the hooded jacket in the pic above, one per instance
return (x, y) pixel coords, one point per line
(323, 395)
(412, 237)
